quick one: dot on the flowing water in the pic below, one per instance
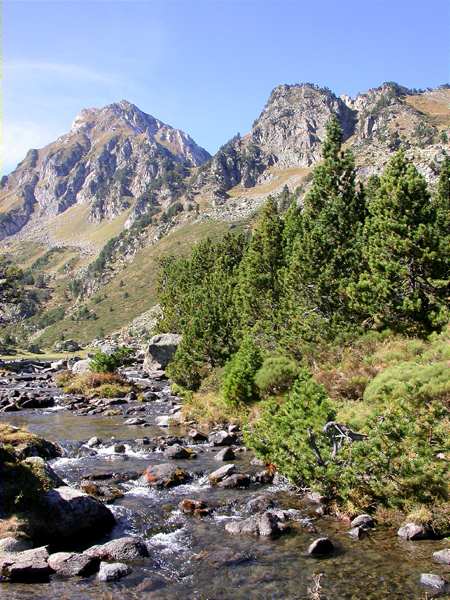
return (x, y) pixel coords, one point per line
(190, 556)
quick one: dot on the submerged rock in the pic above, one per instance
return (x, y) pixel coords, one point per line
(199, 508)
(442, 556)
(264, 524)
(413, 531)
(434, 581)
(224, 557)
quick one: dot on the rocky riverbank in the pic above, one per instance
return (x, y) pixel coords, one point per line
(125, 491)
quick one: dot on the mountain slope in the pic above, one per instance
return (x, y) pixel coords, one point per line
(111, 160)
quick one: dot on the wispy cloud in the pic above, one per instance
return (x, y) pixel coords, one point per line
(65, 70)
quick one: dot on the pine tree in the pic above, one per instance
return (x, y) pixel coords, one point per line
(326, 256)
(401, 252)
(258, 289)
(239, 375)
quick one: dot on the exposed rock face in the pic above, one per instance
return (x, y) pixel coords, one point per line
(111, 157)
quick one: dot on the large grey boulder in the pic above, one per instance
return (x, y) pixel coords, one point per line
(126, 548)
(160, 351)
(71, 515)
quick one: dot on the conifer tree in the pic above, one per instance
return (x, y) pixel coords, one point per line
(399, 287)
(258, 288)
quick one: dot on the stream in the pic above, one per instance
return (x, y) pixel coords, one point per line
(195, 557)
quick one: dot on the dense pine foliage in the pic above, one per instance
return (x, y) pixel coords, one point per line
(352, 259)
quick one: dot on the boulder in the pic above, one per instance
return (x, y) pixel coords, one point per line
(44, 471)
(125, 548)
(237, 480)
(365, 521)
(113, 571)
(226, 453)
(67, 346)
(93, 441)
(177, 452)
(436, 582)
(442, 556)
(413, 531)
(160, 351)
(197, 436)
(321, 547)
(259, 504)
(29, 566)
(221, 438)
(165, 475)
(221, 473)
(71, 564)
(357, 533)
(199, 508)
(81, 366)
(71, 515)
(264, 524)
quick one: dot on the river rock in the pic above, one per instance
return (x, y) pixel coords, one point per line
(165, 475)
(93, 441)
(221, 438)
(221, 473)
(442, 556)
(177, 452)
(162, 421)
(224, 557)
(160, 351)
(119, 448)
(436, 582)
(259, 504)
(264, 524)
(81, 367)
(113, 571)
(38, 465)
(198, 508)
(413, 531)
(365, 521)
(11, 545)
(29, 566)
(321, 547)
(197, 436)
(67, 346)
(71, 564)
(71, 515)
(225, 454)
(135, 421)
(125, 548)
(237, 480)
(357, 533)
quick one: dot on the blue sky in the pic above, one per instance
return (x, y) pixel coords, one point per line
(205, 66)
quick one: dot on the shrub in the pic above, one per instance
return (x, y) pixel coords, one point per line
(239, 374)
(109, 363)
(101, 385)
(289, 432)
(276, 375)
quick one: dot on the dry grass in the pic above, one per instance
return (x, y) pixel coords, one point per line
(13, 436)
(208, 409)
(94, 385)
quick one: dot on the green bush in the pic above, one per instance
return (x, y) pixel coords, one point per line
(239, 374)
(289, 432)
(109, 363)
(276, 375)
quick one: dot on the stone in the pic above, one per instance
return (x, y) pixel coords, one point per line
(263, 524)
(197, 436)
(45, 471)
(413, 531)
(135, 421)
(221, 473)
(67, 346)
(162, 421)
(364, 520)
(177, 452)
(434, 581)
(160, 351)
(237, 480)
(226, 453)
(119, 448)
(442, 556)
(125, 548)
(28, 566)
(321, 547)
(221, 438)
(10, 545)
(71, 515)
(357, 533)
(165, 475)
(93, 441)
(81, 366)
(113, 571)
(71, 564)
(198, 508)
(224, 557)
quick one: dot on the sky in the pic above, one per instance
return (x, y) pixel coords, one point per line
(204, 66)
